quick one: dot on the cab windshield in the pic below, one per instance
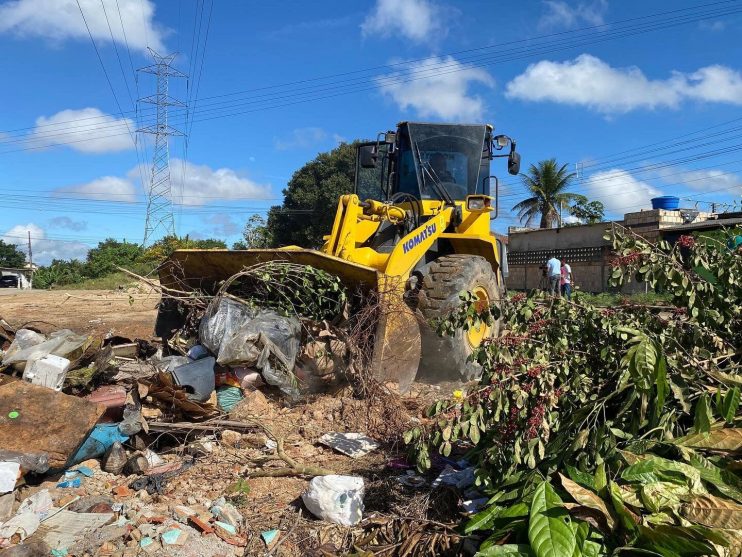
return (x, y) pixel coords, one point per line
(453, 156)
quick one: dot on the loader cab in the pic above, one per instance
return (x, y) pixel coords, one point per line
(421, 159)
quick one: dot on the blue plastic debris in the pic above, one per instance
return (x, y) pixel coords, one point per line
(228, 527)
(98, 442)
(80, 470)
(145, 542)
(269, 536)
(77, 482)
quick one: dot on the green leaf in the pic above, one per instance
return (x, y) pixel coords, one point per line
(657, 469)
(549, 530)
(582, 478)
(506, 550)
(474, 434)
(628, 519)
(726, 482)
(722, 439)
(702, 417)
(407, 437)
(483, 519)
(730, 405)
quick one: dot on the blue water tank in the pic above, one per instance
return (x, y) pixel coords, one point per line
(668, 202)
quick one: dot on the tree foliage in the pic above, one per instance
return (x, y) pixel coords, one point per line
(109, 254)
(11, 256)
(310, 198)
(547, 183)
(588, 212)
(255, 235)
(598, 431)
(103, 259)
(164, 247)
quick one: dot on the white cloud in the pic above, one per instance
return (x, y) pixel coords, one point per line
(301, 138)
(87, 130)
(68, 223)
(223, 225)
(107, 188)
(204, 185)
(710, 179)
(590, 82)
(438, 88)
(44, 249)
(417, 20)
(560, 14)
(59, 20)
(619, 191)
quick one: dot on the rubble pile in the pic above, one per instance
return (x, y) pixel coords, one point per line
(213, 441)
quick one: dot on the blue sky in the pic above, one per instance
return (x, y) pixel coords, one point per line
(642, 104)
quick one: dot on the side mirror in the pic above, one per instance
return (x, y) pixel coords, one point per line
(367, 154)
(514, 163)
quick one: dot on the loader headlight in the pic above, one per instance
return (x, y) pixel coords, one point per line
(478, 202)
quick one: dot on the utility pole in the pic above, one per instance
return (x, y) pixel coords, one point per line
(160, 219)
(30, 258)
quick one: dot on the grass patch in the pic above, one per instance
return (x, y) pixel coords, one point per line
(108, 282)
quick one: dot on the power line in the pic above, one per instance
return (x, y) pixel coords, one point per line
(428, 73)
(115, 48)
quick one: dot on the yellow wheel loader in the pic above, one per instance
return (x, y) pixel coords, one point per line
(416, 230)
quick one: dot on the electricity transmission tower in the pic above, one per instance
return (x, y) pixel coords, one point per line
(159, 201)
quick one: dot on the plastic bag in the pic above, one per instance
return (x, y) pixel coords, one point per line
(24, 338)
(337, 499)
(257, 338)
(222, 319)
(63, 343)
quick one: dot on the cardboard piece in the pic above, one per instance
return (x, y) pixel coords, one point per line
(44, 421)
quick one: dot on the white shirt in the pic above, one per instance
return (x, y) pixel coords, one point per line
(554, 267)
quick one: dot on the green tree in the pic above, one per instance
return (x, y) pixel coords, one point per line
(547, 183)
(11, 256)
(310, 198)
(164, 247)
(589, 212)
(111, 253)
(255, 235)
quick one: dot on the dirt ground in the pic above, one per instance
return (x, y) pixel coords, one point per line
(130, 313)
(394, 512)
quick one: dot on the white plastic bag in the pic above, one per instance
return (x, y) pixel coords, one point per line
(337, 499)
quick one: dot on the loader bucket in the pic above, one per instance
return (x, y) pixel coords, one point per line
(397, 341)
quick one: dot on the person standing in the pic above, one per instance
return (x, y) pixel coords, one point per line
(566, 280)
(554, 272)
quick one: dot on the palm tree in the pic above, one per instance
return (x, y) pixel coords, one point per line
(546, 182)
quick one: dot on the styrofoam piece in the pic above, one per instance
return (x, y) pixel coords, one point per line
(48, 371)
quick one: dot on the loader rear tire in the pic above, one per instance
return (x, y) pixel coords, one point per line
(446, 358)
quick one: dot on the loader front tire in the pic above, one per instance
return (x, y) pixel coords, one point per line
(446, 358)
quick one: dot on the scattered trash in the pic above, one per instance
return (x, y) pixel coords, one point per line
(197, 378)
(474, 505)
(9, 472)
(40, 503)
(411, 479)
(354, 445)
(48, 371)
(62, 528)
(115, 458)
(228, 397)
(22, 524)
(113, 397)
(197, 352)
(337, 499)
(457, 478)
(100, 440)
(77, 482)
(270, 537)
(226, 512)
(174, 536)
